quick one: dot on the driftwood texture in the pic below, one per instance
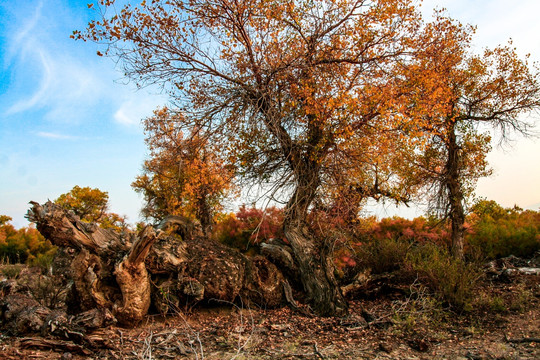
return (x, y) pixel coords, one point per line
(169, 267)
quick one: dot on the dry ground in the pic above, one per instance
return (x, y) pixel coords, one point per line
(406, 324)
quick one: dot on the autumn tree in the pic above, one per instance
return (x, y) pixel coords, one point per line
(91, 205)
(456, 96)
(297, 94)
(23, 245)
(184, 174)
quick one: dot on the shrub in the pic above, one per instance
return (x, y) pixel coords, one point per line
(418, 230)
(498, 232)
(385, 255)
(11, 271)
(249, 227)
(452, 280)
(43, 260)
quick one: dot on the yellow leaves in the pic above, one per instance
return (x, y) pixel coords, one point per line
(185, 174)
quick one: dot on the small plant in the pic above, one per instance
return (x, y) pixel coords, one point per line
(384, 255)
(498, 305)
(522, 300)
(12, 271)
(419, 307)
(452, 280)
(49, 290)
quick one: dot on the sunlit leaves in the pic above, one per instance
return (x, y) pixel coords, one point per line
(448, 93)
(330, 94)
(184, 174)
(22, 245)
(92, 205)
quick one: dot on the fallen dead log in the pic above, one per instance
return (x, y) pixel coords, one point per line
(171, 266)
(48, 344)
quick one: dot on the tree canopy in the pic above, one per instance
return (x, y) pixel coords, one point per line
(184, 174)
(91, 205)
(459, 96)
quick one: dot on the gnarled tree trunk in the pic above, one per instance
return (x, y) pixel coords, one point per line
(312, 256)
(172, 266)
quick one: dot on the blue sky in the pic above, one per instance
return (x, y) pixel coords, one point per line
(68, 118)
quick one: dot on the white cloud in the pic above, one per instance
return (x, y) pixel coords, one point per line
(137, 107)
(42, 93)
(51, 135)
(66, 82)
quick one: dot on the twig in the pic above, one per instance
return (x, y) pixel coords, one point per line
(317, 352)
(523, 340)
(121, 337)
(147, 353)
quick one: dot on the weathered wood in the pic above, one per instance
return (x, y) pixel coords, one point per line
(68, 230)
(134, 280)
(42, 343)
(172, 266)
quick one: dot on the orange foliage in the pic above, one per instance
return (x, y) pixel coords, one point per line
(23, 245)
(183, 175)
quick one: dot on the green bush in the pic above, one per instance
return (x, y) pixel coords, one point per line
(452, 280)
(385, 255)
(43, 260)
(499, 232)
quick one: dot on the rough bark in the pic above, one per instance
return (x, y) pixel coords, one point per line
(171, 266)
(316, 272)
(312, 256)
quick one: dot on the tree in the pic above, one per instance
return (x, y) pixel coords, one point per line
(296, 92)
(23, 245)
(91, 205)
(456, 94)
(184, 175)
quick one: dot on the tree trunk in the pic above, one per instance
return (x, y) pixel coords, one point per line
(455, 196)
(316, 272)
(313, 256)
(125, 273)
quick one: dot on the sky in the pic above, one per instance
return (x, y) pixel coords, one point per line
(67, 116)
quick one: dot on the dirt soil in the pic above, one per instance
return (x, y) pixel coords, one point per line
(403, 324)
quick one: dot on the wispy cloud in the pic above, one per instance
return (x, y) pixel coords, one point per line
(48, 75)
(139, 106)
(41, 94)
(64, 81)
(22, 32)
(56, 136)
